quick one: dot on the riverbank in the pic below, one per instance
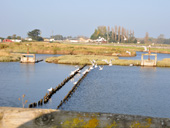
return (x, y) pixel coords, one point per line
(25, 117)
(67, 49)
(81, 48)
(100, 60)
(9, 57)
(86, 59)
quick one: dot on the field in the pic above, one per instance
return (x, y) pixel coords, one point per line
(81, 51)
(9, 57)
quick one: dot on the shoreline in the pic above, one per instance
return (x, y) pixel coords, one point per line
(85, 59)
(11, 117)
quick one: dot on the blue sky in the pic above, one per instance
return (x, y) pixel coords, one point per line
(81, 17)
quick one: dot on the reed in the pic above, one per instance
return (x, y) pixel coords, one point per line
(85, 59)
(164, 63)
(9, 57)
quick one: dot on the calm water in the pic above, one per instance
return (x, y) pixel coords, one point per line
(126, 90)
(160, 56)
(116, 89)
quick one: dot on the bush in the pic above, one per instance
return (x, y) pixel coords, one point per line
(3, 46)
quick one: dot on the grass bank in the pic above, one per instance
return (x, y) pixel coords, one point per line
(164, 63)
(67, 49)
(85, 59)
(80, 48)
(9, 57)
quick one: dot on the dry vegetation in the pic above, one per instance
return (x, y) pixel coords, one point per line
(8, 57)
(164, 63)
(71, 49)
(85, 59)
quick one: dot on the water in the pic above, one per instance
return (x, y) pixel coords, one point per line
(125, 90)
(160, 56)
(115, 89)
(33, 80)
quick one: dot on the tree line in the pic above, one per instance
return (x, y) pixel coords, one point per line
(159, 40)
(116, 34)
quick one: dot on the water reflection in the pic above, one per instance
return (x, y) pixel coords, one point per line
(160, 56)
(28, 70)
(126, 90)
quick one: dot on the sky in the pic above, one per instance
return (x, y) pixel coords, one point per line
(82, 17)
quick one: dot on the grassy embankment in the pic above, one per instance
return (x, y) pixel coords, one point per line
(85, 59)
(56, 48)
(76, 49)
(67, 49)
(9, 57)
(164, 63)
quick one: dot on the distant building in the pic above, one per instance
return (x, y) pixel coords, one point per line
(101, 40)
(88, 41)
(28, 39)
(51, 40)
(16, 40)
(46, 40)
(73, 41)
(7, 40)
(0, 40)
(138, 42)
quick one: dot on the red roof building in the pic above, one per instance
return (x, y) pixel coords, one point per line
(7, 40)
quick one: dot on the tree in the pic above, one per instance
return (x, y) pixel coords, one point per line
(115, 33)
(95, 35)
(100, 31)
(57, 37)
(14, 36)
(119, 29)
(9, 37)
(146, 38)
(34, 34)
(161, 39)
(122, 36)
(127, 33)
(1, 38)
(19, 37)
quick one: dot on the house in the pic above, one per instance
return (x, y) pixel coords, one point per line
(101, 40)
(138, 42)
(51, 40)
(28, 39)
(73, 41)
(88, 41)
(46, 40)
(16, 40)
(7, 40)
(0, 40)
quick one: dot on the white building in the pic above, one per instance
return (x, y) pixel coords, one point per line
(28, 39)
(16, 40)
(73, 41)
(100, 39)
(51, 40)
